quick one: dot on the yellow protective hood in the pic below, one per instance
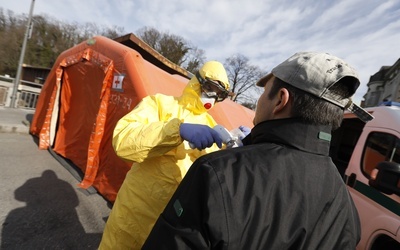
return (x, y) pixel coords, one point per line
(190, 97)
(191, 94)
(215, 71)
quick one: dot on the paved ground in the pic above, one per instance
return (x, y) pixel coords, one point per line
(40, 205)
(15, 120)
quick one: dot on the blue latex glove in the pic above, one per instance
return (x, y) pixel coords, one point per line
(245, 130)
(200, 136)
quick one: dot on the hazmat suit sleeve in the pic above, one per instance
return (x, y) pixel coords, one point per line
(147, 131)
(195, 214)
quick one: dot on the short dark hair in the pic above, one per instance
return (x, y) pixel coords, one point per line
(312, 109)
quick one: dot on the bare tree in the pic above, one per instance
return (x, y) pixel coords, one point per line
(175, 48)
(194, 59)
(242, 77)
(48, 39)
(149, 35)
(112, 32)
(11, 34)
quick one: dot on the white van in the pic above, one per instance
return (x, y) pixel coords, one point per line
(368, 157)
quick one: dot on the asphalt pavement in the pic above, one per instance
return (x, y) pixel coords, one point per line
(40, 204)
(15, 120)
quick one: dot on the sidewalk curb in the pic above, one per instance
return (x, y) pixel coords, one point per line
(15, 120)
(20, 129)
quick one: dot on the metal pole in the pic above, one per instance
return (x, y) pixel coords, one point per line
(21, 58)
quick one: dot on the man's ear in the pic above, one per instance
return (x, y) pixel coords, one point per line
(282, 104)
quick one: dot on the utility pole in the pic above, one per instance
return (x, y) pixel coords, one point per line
(21, 58)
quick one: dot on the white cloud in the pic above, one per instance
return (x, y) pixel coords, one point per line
(363, 32)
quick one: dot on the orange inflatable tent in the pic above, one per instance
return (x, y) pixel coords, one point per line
(90, 87)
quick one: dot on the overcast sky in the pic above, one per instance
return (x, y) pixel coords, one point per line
(365, 33)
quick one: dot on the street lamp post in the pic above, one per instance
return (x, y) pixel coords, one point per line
(21, 58)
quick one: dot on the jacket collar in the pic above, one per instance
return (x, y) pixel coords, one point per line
(293, 132)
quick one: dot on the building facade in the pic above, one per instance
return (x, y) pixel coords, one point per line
(384, 85)
(28, 89)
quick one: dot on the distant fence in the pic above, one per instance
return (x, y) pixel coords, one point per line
(27, 94)
(27, 100)
(3, 95)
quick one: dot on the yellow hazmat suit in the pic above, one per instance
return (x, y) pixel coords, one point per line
(149, 136)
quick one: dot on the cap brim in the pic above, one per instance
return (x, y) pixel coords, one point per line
(264, 80)
(361, 113)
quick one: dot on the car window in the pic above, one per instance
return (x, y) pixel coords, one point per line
(380, 147)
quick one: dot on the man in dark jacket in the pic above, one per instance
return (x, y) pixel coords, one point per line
(282, 191)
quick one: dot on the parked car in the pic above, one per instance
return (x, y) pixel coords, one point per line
(368, 157)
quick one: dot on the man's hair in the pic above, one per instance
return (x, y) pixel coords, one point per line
(312, 109)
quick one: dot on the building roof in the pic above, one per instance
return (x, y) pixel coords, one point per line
(380, 75)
